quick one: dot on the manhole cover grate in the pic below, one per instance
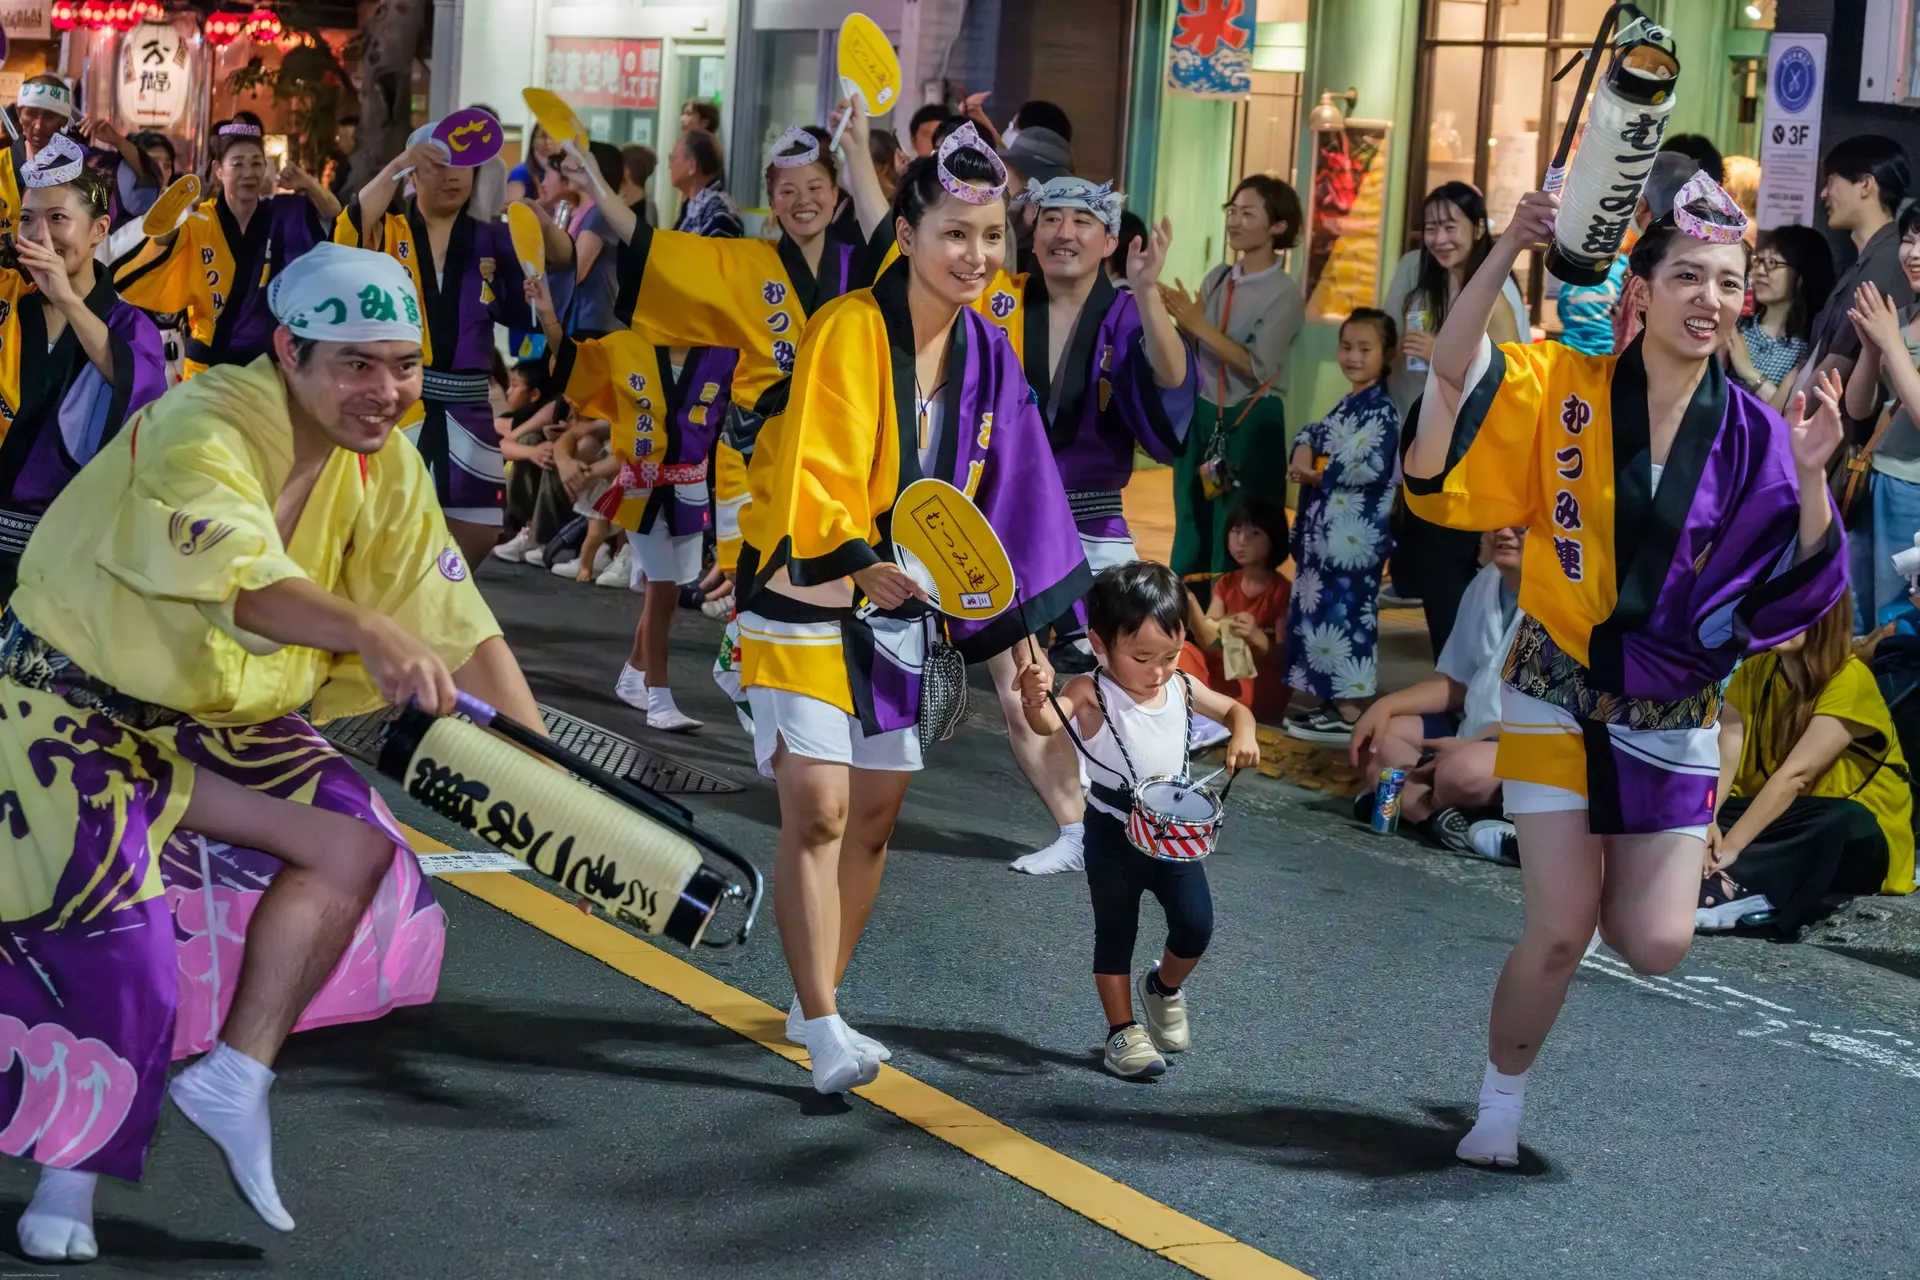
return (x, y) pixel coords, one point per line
(359, 737)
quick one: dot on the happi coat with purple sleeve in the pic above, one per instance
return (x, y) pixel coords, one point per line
(755, 296)
(1638, 601)
(1105, 402)
(824, 480)
(58, 408)
(218, 273)
(663, 424)
(479, 284)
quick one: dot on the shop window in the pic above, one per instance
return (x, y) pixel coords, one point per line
(1489, 113)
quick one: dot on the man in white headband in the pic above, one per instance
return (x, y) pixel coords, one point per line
(1111, 373)
(271, 542)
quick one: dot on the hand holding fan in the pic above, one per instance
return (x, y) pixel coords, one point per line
(529, 239)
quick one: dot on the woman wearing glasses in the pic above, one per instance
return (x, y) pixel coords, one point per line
(1791, 275)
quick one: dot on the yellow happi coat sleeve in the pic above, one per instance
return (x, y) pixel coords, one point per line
(730, 496)
(590, 386)
(699, 291)
(1492, 477)
(824, 470)
(399, 560)
(167, 277)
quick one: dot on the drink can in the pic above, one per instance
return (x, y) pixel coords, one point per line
(1416, 323)
(1386, 801)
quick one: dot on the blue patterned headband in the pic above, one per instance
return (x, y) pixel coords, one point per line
(1069, 192)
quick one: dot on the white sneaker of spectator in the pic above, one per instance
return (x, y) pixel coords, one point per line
(618, 570)
(1495, 841)
(1727, 915)
(570, 567)
(536, 555)
(514, 550)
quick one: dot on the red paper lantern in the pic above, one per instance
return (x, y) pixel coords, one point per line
(148, 11)
(222, 28)
(93, 14)
(120, 15)
(263, 25)
(62, 15)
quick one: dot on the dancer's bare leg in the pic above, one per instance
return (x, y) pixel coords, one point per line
(306, 918)
(1561, 870)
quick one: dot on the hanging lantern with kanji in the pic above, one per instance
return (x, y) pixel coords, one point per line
(62, 15)
(263, 25)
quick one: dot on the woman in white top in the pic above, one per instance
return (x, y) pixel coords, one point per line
(1242, 323)
(1432, 563)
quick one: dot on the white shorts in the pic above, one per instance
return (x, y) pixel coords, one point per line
(821, 731)
(1696, 749)
(659, 556)
(1104, 553)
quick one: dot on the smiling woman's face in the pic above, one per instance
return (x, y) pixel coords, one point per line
(1695, 297)
(956, 248)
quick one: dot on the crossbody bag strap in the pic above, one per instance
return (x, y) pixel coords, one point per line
(1861, 464)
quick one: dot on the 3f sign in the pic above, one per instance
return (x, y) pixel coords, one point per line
(1792, 135)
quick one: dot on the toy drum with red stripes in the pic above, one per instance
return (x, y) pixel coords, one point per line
(1174, 819)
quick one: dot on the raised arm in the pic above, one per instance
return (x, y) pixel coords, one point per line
(324, 202)
(621, 220)
(377, 196)
(1815, 436)
(46, 269)
(1458, 341)
(1165, 351)
(863, 184)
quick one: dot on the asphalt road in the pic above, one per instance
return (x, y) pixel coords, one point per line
(1752, 1116)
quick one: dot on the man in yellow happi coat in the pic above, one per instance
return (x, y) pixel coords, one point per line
(256, 540)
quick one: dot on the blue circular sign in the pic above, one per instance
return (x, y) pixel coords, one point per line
(1795, 78)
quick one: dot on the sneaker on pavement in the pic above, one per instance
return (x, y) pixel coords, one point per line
(1130, 1054)
(631, 687)
(536, 555)
(1452, 830)
(618, 570)
(568, 568)
(1322, 725)
(1495, 841)
(1166, 1015)
(514, 550)
(1728, 916)
(670, 720)
(1206, 733)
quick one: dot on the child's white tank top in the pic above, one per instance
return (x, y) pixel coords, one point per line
(1156, 740)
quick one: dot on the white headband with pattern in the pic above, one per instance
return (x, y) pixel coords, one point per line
(59, 161)
(46, 97)
(796, 136)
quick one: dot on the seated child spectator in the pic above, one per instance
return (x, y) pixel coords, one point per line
(536, 503)
(1130, 716)
(1248, 609)
(1444, 731)
(1346, 467)
(1817, 792)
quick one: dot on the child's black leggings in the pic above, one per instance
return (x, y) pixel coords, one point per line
(1118, 873)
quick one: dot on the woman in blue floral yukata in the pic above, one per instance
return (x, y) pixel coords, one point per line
(1345, 465)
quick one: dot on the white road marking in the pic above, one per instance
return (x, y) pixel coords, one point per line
(1836, 1044)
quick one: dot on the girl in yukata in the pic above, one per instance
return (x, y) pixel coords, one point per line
(1676, 525)
(1344, 465)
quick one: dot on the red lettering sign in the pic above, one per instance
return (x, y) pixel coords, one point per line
(623, 74)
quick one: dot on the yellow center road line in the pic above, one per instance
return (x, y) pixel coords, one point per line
(1167, 1232)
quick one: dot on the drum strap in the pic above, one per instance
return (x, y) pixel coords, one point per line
(1113, 795)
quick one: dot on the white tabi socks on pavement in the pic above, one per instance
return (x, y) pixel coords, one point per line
(839, 1064)
(58, 1225)
(1068, 853)
(797, 1033)
(1495, 1136)
(225, 1095)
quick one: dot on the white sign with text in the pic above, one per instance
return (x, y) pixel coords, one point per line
(1790, 134)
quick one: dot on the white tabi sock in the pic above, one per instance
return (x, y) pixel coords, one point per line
(58, 1225)
(838, 1063)
(797, 1033)
(1067, 853)
(1495, 1136)
(225, 1095)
